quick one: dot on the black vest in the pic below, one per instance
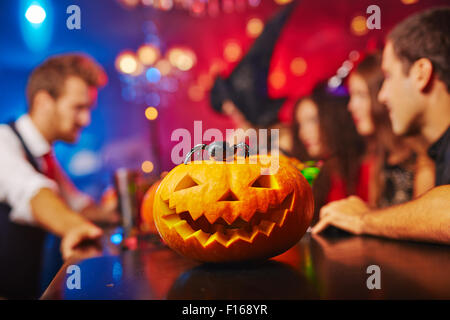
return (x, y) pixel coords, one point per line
(21, 249)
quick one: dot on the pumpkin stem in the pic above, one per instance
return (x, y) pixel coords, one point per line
(217, 150)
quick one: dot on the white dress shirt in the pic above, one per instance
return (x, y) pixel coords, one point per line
(20, 182)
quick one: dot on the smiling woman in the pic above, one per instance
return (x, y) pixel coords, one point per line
(323, 130)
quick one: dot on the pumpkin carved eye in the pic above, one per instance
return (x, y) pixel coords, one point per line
(265, 181)
(186, 183)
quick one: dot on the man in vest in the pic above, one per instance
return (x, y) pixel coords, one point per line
(35, 194)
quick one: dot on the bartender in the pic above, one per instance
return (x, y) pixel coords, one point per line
(36, 196)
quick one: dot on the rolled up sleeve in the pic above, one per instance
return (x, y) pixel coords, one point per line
(19, 181)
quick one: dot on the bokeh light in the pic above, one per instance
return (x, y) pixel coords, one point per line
(277, 79)
(147, 166)
(35, 14)
(151, 113)
(148, 54)
(254, 27)
(182, 58)
(165, 4)
(205, 81)
(126, 62)
(281, 2)
(153, 75)
(153, 99)
(298, 66)
(196, 93)
(217, 66)
(164, 67)
(129, 3)
(358, 25)
(232, 51)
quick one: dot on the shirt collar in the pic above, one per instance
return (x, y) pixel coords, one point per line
(32, 137)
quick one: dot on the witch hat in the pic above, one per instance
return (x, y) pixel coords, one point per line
(246, 86)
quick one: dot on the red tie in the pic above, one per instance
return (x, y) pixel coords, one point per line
(49, 166)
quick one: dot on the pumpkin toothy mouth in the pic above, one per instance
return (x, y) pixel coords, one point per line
(226, 233)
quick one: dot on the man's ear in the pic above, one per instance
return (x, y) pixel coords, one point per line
(422, 72)
(42, 101)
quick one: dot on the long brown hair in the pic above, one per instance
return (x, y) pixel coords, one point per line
(370, 70)
(383, 140)
(338, 133)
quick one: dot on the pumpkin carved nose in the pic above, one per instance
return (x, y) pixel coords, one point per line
(229, 196)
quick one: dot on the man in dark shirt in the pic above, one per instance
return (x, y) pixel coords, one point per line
(440, 153)
(416, 90)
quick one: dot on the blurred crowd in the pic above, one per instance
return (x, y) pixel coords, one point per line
(381, 137)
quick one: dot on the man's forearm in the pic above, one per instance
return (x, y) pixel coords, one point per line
(51, 212)
(426, 218)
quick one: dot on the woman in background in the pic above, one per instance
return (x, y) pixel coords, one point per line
(400, 167)
(323, 129)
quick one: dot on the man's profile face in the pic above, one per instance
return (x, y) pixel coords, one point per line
(399, 94)
(73, 109)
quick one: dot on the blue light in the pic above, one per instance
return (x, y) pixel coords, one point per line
(36, 23)
(35, 14)
(153, 99)
(153, 75)
(116, 238)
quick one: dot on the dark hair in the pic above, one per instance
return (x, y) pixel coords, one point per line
(425, 35)
(383, 140)
(50, 76)
(338, 133)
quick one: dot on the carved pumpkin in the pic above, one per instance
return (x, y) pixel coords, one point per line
(215, 211)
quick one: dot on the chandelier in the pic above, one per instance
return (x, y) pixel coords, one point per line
(195, 7)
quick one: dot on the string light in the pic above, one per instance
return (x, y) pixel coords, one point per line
(197, 7)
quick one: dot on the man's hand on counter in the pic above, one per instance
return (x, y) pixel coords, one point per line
(346, 214)
(85, 234)
(425, 218)
(52, 213)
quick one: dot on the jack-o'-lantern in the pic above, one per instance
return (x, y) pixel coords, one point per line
(221, 211)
